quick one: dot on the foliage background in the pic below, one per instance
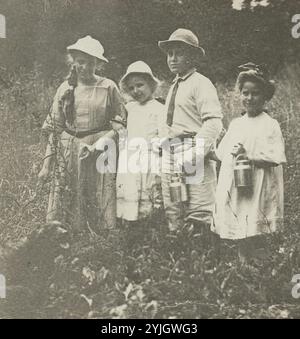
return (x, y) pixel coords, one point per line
(39, 30)
(146, 281)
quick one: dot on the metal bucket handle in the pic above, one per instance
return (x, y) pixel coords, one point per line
(241, 155)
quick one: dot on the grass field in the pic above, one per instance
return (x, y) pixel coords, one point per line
(101, 276)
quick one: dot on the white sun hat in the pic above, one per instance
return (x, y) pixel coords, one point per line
(89, 46)
(138, 67)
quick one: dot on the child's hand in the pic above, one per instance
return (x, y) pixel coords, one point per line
(86, 151)
(238, 149)
(117, 123)
(116, 126)
(156, 144)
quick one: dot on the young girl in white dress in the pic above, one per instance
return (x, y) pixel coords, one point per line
(139, 169)
(245, 214)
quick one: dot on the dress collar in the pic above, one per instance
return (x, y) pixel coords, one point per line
(263, 111)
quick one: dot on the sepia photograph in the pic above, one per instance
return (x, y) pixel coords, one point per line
(150, 161)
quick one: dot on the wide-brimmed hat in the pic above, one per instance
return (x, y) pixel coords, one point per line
(182, 36)
(258, 73)
(89, 46)
(138, 67)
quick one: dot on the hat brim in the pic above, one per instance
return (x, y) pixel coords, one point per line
(124, 78)
(75, 48)
(165, 45)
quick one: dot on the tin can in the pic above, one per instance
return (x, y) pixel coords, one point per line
(243, 177)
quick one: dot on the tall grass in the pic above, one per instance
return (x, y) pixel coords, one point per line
(24, 105)
(154, 283)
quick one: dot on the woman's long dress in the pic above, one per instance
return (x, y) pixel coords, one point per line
(79, 195)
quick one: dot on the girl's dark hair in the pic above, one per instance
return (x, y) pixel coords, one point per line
(257, 74)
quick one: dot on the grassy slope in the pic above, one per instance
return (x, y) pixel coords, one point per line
(151, 279)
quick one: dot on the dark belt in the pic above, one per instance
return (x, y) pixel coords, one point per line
(173, 141)
(181, 137)
(83, 134)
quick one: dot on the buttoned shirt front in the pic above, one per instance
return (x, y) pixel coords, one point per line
(196, 100)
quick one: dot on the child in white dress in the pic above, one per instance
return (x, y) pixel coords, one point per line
(243, 214)
(139, 168)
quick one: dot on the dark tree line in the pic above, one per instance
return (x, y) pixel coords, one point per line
(39, 30)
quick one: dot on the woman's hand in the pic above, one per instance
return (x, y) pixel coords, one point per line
(238, 149)
(44, 174)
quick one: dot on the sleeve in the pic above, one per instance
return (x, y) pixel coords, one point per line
(116, 103)
(207, 101)
(270, 147)
(210, 132)
(160, 120)
(55, 120)
(224, 145)
(157, 120)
